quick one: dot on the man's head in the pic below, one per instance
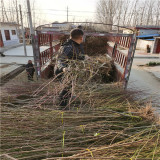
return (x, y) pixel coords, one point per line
(80, 27)
(77, 35)
(29, 61)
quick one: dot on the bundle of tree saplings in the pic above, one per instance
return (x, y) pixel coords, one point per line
(95, 46)
(98, 69)
(102, 122)
(99, 125)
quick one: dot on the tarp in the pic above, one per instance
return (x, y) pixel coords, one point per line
(148, 35)
(149, 39)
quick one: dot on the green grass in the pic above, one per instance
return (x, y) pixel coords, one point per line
(153, 64)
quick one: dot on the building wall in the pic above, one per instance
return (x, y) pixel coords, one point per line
(14, 38)
(142, 44)
(156, 45)
(64, 26)
(145, 32)
(47, 29)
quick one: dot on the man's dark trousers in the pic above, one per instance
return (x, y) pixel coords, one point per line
(65, 94)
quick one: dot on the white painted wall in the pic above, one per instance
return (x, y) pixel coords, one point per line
(142, 44)
(14, 38)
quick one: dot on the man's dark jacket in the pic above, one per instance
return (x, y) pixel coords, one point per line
(30, 69)
(70, 50)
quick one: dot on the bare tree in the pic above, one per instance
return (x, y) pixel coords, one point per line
(33, 10)
(4, 13)
(143, 8)
(16, 4)
(107, 11)
(157, 13)
(119, 7)
(129, 12)
(10, 12)
(132, 13)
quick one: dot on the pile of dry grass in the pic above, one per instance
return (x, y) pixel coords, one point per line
(145, 111)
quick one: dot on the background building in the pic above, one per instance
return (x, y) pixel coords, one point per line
(148, 36)
(8, 34)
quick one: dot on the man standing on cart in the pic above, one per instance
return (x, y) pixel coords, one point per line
(70, 50)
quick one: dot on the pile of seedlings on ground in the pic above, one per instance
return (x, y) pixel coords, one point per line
(102, 121)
